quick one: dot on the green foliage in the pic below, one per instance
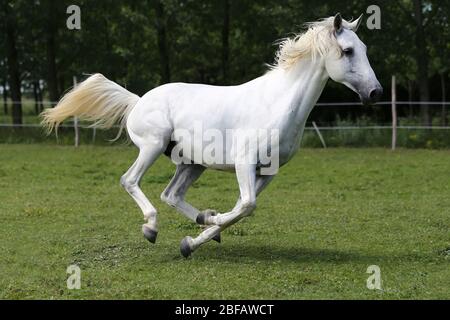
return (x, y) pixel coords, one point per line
(119, 38)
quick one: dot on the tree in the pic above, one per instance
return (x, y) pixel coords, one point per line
(142, 44)
(439, 50)
(10, 21)
(3, 79)
(161, 27)
(50, 41)
(225, 39)
(422, 62)
(33, 53)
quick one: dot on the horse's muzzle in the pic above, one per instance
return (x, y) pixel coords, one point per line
(373, 97)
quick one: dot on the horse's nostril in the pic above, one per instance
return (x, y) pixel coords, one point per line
(375, 94)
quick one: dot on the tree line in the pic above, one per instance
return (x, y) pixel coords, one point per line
(143, 44)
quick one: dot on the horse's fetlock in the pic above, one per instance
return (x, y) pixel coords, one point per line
(150, 216)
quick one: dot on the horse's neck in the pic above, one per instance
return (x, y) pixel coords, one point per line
(300, 88)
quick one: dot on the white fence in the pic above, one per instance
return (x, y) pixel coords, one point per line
(393, 126)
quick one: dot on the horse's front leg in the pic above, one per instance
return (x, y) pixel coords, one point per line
(246, 175)
(210, 217)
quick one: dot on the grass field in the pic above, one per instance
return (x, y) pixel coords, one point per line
(327, 216)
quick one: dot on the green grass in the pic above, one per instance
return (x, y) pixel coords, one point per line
(327, 216)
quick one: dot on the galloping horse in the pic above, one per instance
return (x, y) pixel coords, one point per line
(279, 100)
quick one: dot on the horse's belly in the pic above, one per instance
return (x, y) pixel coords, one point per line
(221, 167)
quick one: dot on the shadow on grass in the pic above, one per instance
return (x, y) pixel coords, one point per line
(260, 253)
(242, 253)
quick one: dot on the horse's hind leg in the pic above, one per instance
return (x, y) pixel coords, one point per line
(130, 181)
(173, 195)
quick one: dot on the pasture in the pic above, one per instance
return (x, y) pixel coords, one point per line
(326, 217)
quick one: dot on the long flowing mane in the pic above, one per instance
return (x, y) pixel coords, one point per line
(317, 40)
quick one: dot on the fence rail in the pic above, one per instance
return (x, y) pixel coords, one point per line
(35, 125)
(393, 104)
(319, 104)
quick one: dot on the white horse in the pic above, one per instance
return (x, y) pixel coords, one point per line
(280, 100)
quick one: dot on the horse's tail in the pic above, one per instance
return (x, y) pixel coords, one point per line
(95, 99)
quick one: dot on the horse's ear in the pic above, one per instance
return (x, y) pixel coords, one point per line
(355, 24)
(337, 23)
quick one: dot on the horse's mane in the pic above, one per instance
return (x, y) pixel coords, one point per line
(317, 40)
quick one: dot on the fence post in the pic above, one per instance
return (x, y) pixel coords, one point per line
(75, 120)
(394, 113)
(94, 133)
(319, 134)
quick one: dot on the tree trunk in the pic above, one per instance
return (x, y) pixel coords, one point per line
(225, 40)
(410, 99)
(422, 64)
(13, 65)
(41, 103)
(61, 83)
(444, 107)
(5, 98)
(36, 97)
(52, 76)
(161, 30)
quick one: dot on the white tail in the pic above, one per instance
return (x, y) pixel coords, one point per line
(95, 99)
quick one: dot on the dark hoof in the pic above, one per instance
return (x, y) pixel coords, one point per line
(149, 234)
(185, 247)
(217, 238)
(201, 219)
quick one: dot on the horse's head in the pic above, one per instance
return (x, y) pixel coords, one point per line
(349, 65)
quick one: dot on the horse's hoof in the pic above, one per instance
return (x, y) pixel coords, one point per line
(201, 218)
(149, 234)
(217, 238)
(185, 247)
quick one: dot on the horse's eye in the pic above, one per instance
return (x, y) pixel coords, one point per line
(348, 51)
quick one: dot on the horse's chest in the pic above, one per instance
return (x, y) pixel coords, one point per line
(290, 143)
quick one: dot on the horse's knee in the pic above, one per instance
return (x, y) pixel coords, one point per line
(127, 184)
